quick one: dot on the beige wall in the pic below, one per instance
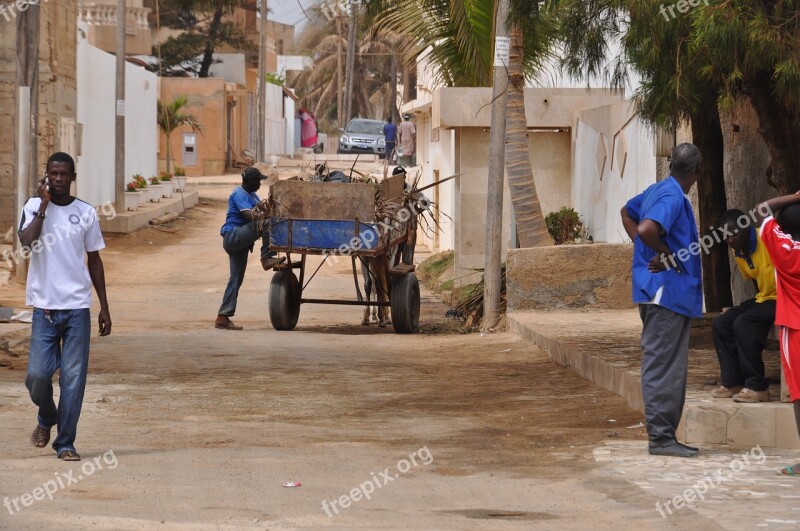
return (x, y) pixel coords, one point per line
(550, 158)
(558, 277)
(57, 96)
(207, 101)
(471, 107)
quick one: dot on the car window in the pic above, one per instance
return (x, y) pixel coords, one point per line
(370, 128)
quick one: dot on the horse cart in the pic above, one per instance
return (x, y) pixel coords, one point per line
(372, 225)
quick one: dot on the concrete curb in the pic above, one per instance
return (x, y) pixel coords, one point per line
(705, 420)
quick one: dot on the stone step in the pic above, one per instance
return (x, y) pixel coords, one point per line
(603, 347)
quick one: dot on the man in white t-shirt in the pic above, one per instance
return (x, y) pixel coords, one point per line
(60, 231)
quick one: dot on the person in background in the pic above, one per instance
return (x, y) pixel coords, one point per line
(669, 292)
(239, 234)
(740, 333)
(781, 237)
(390, 132)
(66, 232)
(308, 129)
(407, 141)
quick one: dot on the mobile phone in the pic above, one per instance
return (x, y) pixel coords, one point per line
(47, 183)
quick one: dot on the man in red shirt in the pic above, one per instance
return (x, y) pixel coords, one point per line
(781, 237)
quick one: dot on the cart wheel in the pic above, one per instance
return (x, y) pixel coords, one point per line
(404, 299)
(284, 300)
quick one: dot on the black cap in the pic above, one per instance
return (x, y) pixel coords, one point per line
(398, 170)
(252, 173)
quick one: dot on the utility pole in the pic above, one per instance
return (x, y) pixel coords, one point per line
(339, 86)
(494, 197)
(27, 111)
(119, 130)
(261, 129)
(351, 62)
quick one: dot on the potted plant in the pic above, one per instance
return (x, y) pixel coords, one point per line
(180, 179)
(155, 188)
(166, 180)
(133, 196)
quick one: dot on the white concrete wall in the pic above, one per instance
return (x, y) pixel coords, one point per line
(436, 159)
(289, 112)
(276, 123)
(294, 63)
(231, 67)
(447, 191)
(96, 112)
(598, 194)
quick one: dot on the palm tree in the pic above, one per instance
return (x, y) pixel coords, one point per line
(457, 32)
(459, 36)
(318, 87)
(524, 17)
(171, 116)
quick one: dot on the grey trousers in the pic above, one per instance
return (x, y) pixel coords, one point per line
(665, 360)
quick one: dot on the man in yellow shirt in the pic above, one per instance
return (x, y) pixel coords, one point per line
(741, 332)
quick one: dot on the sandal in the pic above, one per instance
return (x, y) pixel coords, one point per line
(69, 455)
(40, 436)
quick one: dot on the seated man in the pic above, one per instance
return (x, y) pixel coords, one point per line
(741, 332)
(239, 234)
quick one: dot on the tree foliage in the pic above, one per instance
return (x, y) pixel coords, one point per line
(460, 35)
(317, 88)
(707, 56)
(203, 30)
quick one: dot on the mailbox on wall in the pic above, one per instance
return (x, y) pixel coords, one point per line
(189, 152)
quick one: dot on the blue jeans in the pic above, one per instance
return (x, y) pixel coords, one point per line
(59, 340)
(238, 243)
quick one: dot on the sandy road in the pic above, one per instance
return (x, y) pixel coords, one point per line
(206, 425)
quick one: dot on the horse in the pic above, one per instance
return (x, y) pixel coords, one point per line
(374, 270)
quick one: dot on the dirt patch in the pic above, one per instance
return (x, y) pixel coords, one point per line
(326, 403)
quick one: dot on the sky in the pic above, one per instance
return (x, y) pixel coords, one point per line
(289, 11)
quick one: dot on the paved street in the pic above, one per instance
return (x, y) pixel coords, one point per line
(188, 427)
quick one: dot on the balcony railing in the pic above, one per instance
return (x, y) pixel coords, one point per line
(106, 15)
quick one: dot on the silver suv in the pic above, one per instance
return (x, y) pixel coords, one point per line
(363, 136)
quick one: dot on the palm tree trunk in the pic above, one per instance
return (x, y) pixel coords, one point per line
(531, 229)
(339, 82)
(393, 95)
(707, 136)
(169, 149)
(213, 33)
(350, 64)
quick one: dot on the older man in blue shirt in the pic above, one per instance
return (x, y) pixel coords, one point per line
(239, 235)
(667, 287)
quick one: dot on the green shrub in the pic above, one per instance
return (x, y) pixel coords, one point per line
(565, 226)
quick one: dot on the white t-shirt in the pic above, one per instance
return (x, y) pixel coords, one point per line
(58, 277)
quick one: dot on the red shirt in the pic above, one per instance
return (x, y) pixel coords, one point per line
(785, 254)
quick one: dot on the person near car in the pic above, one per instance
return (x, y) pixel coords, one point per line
(390, 132)
(407, 141)
(308, 129)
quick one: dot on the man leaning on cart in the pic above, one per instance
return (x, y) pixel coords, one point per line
(239, 234)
